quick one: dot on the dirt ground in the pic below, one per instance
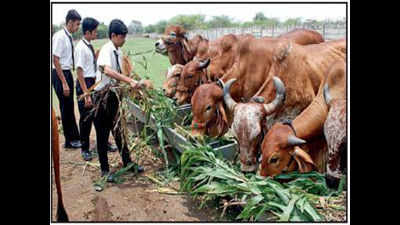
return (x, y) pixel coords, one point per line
(136, 199)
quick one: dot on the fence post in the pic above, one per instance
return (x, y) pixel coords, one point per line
(323, 31)
(273, 26)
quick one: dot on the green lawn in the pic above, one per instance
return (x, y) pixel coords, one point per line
(157, 64)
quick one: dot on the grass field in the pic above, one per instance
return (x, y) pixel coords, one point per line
(157, 64)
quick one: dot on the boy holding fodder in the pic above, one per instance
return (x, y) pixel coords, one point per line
(106, 100)
(61, 77)
(86, 68)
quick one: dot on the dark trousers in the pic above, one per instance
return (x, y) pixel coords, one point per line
(86, 119)
(71, 132)
(104, 122)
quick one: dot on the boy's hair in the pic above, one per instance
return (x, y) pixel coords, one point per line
(72, 15)
(89, 24)
(117, 27)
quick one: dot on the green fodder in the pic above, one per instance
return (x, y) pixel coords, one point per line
(208, 176)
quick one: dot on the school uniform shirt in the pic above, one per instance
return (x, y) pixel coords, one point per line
(62, 48)
(85, 59)
(107, 58)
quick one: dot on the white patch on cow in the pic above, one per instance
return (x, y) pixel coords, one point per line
(161, 48)
(171, 71)
(249, 116)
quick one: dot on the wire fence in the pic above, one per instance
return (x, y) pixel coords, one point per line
(330, 31)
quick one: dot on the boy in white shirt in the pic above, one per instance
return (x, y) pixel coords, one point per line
(86, 68)
(61, 77)
(110, 57)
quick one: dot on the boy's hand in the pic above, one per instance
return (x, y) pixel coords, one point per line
(66, 90)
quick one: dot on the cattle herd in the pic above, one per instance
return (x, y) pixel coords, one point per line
(284, 98)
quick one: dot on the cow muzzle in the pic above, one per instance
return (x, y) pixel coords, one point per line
(160, 47)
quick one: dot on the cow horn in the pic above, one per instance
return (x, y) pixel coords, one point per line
(293, 140)
(227, 96)
(279, 98)
(204, 64)
(327, 95)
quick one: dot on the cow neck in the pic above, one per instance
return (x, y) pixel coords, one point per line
(311, 121)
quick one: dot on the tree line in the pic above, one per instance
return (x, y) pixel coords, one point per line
(198, 21)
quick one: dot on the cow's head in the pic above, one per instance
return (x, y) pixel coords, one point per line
(248, 123)
(174, 44)
(281, 151)
(172, 78)
(193, 75)
(209, 116)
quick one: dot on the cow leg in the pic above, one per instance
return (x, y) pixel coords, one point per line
(55, 147)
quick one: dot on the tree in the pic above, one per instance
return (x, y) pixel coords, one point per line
(260, 17)
(160, 26)
(188, 22)
(221, 21)
(135, 27)
(292, 21)
(150, 29)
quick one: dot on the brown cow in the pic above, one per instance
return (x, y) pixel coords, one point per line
(303, 36)
(172, 78)
(55, 148)
(335, 129)
(281, 149)
(301, 69)
(210, 63)
(176, 46)
(222, 53)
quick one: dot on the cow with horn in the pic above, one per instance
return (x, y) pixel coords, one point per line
(221, 56)
(248, 123)
(300, 144)
(301, 68)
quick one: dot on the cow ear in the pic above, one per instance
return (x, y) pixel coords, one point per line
(222, 110)
(303, 159)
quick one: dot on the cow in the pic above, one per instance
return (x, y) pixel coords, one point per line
(300, 144)
(301, 69)
(61, 215)
(303, 36)
(335, 129)
(175, 44)
(222, 53)
(172, 78)
(210, 63)
(248, 123)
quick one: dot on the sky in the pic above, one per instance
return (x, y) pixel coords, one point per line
(152, 13)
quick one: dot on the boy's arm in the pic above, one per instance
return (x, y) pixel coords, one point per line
(60, 74)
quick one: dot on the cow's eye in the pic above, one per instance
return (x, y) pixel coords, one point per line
(274, 160)
(190, 76)
(208, 108)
